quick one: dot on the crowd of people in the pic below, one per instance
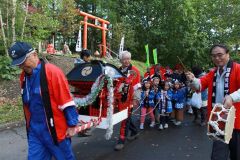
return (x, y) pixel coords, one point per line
(51, 115)
(165, 96)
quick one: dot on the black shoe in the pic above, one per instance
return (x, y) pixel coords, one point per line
(119, 147)
(84, 134)
(133, 137)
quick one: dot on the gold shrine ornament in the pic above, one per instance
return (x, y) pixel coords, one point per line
(86, 71)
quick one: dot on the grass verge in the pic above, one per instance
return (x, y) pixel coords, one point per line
(11, 112)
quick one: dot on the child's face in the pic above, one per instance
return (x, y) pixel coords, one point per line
(156, 81)
(87, 58)
(166, 87)
(169, 79)
(176, 85)
(147, 85)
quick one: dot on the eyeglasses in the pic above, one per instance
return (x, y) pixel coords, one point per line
(219, 55)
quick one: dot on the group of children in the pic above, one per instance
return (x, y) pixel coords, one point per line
(165, 100)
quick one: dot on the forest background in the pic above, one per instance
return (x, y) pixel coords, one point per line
(184, 28)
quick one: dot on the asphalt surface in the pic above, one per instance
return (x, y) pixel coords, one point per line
(188, 142)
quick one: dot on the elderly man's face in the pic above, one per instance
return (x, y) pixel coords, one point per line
(126, 61)
(219, 56)
(29, 64)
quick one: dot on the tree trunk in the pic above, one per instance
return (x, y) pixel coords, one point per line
(3, 34)
(25, 19)
(14, 4)
(7, 22)
(54, 14)
(53, 40)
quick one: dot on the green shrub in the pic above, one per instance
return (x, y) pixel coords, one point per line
(7, 71)
(236, 57)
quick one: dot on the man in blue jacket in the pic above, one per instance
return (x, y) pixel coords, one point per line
(49, 110)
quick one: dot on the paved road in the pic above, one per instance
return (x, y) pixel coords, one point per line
(188, 142)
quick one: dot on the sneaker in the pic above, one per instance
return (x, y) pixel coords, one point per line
(178, 123)
(152, 124)
(160, 127)
(119, 147)
(166, 125)
(141, 126)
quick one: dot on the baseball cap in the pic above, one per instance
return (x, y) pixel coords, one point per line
(19, 51)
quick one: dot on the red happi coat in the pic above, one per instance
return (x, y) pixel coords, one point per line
(135, 77)
(59, 96)
(234, 85)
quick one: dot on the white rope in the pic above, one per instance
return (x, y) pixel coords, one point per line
(147, 112)
(110, 51)
(93, 122)
(139, 105)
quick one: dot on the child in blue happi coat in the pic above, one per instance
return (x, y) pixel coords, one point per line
(156, 87)
(165, 105)
(147, 103)
(178, 99)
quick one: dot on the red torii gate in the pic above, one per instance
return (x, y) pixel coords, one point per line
(103, 27)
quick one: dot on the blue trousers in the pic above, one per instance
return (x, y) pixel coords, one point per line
(43, 148)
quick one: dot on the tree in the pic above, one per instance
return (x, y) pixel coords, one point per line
(183, 28)
(3, 33)
(25, 18)
(14, 6)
